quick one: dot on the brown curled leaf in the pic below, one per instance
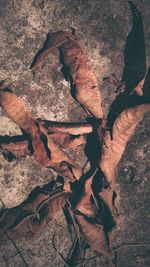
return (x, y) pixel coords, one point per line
(53, 40)
(45, 150)
(31, 216)
(96, 214)
(76, 68)
(93, 233)
(123, 128)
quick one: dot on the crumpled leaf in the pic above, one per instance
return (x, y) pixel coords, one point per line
(31, 216)
(65, 140)
(45, 150)
(93, 233)
(123, 128)
(87, 216)
(16, 150)
(52, 41)
(76, 68)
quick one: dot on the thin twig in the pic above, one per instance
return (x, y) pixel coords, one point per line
(89, 259)
(19, 252)
(60, 255)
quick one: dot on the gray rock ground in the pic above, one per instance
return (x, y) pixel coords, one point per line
(103, 27)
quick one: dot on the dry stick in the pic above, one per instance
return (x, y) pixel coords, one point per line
(60, 255)
(74, 252)
(89, 259)
(13, 242)
(3, 205)
(57, 224)
(19, 252)
(76, 239)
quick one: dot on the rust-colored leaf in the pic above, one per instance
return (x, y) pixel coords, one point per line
(76, 68)
(45, 150)
(93, 233)
(16, 109)
(123, 128)
(52, 41)
(89, 215)
(16, 150)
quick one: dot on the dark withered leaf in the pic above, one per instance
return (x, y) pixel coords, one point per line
(134, 54)
(31, 216)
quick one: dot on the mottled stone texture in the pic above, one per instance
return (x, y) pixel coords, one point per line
(103, 27)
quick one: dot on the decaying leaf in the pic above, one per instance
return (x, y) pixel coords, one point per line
(123, 128)
(31, 216)
(76, 68)
(68, 135)
(94, 233)
(96, 214)
(45, 150)
(86, 217)
(21, 149)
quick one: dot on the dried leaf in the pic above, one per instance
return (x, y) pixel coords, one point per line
(45, 150)
(31, 216)
(123, 128)
(76, 68)
(94, 234)
(95, 215)
(52, 41)
(16, 109)
(67, 140)
(134, 54)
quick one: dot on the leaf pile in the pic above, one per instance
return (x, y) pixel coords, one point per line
(87, 198)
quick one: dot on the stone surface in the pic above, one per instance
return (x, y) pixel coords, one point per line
(133, 256)
(103, 27)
